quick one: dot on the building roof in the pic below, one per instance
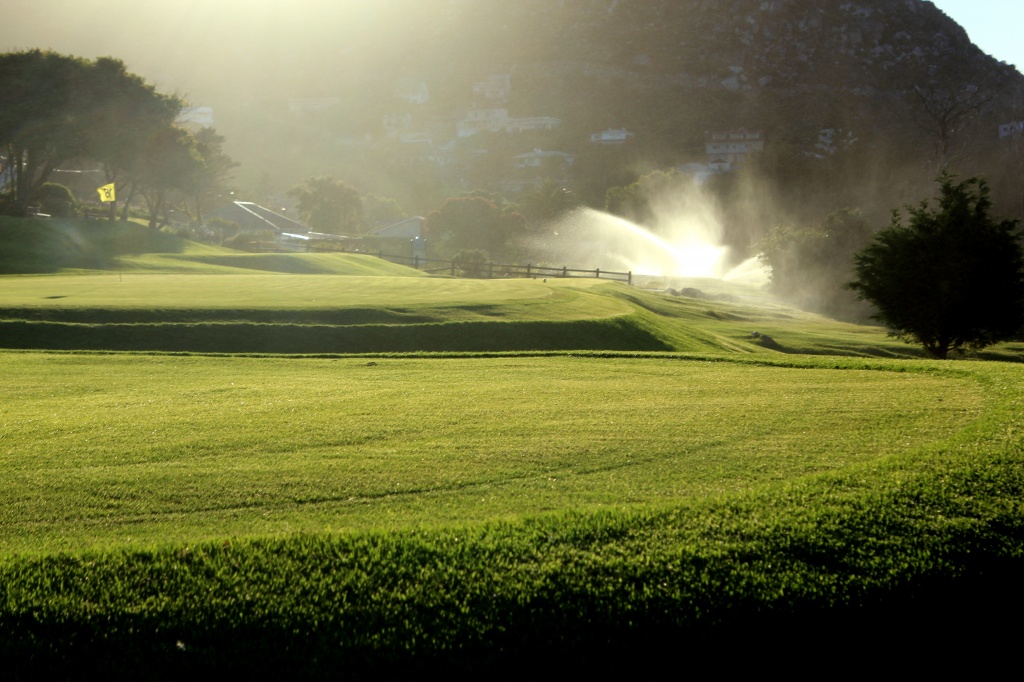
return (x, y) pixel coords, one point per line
(255, 217)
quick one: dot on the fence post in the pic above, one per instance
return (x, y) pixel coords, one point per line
(565, 271)
(597, 273)
(629, 278)
(528, 270)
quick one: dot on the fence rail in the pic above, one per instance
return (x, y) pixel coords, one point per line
(474, 270)
(489, 270)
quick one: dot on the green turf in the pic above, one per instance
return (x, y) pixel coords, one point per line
(103, 450)
(505, 511)
(287, 313)
(674, 490)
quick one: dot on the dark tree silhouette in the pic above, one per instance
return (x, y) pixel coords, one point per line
(952, 278)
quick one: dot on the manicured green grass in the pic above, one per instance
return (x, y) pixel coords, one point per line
(286, 292)
(152, 291)
(598, 511)
(588, 511)
(225, 261)
(286, 313)
(108, 450)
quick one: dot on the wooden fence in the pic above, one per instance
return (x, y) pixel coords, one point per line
(489, 270)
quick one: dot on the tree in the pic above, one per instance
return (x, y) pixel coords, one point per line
(329, 205)
(811, 266)
(945, 114)
(122, 119)
(169, 162)
(636, 202)
(472, 222)
(38, 131)
(952, 278)
(548, 203)
(58, 108)
(209, 184)
(57, 200)
(380, 210)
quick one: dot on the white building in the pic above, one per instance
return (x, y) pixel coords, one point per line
(496, 87)
(724, 149)
(611, 136)
(413, 91)
(538, 157)
(498, 120)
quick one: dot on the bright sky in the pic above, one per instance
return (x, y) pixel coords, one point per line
(995, 26)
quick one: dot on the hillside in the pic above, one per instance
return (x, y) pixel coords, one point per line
(851, 99)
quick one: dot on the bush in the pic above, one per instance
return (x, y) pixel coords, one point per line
(56, 200)
(472, 262)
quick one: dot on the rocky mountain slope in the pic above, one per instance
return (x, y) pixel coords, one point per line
(878, 86)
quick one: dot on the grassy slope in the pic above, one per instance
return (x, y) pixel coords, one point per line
(250, 312)
(168, 294)
(927, 540)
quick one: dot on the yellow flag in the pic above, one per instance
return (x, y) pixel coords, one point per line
(107, 193)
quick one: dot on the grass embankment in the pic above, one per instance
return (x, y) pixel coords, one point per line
(288, 313)
(154, 292)
(316, 516)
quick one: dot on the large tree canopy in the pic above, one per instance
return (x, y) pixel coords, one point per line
(474, 223)
(57, 108)
(952, 278)
(208, 185)
(329, 205)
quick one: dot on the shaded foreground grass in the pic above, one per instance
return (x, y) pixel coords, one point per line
(899, 537)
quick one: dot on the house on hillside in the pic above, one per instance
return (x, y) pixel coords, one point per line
(480, 120)
(540, 158)
(700, 172)
(725, 149)
(495, 88)
(528, 123)
(1011, 129)
(497, 120)
(611, 136)
(412, 90)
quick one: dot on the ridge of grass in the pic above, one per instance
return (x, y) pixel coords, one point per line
(324, 314)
